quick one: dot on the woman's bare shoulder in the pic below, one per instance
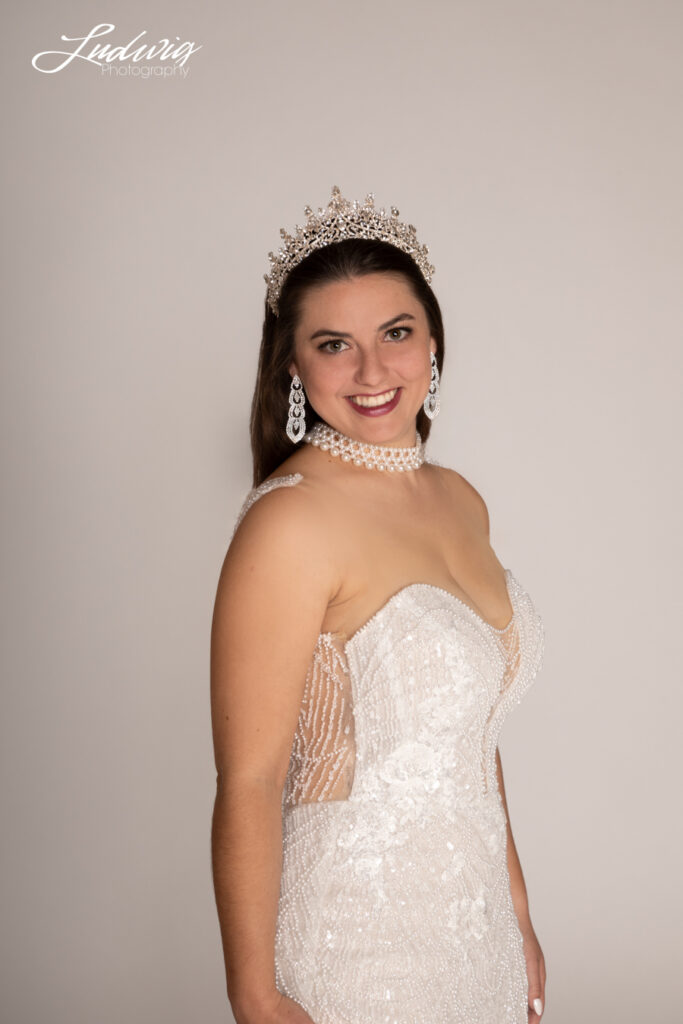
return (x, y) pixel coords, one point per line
(464, 495)
(286, 503)
(280, 530)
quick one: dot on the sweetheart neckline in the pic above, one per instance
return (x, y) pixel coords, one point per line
(296, 476)
(442, 590)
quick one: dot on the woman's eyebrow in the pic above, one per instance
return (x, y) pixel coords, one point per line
(382, 327)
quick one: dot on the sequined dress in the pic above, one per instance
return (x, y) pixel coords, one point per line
(395, 903)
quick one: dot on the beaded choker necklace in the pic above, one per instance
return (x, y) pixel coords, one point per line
(373, 456)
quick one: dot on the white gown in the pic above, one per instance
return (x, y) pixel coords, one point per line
(395, 903)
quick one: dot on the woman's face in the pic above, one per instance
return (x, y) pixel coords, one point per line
(368, 336)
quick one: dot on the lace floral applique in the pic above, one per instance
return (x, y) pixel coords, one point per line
(467, 917)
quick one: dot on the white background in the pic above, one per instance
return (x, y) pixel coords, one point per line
(537, 148)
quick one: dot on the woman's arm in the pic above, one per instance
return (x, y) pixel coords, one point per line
(533, 954)
(272, 594)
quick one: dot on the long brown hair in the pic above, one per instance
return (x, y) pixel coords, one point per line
(352, 257)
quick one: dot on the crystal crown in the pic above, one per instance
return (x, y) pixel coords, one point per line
(342, 219)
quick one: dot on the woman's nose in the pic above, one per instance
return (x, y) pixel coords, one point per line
(370, 369)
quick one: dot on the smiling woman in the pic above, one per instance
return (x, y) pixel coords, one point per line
(367, 645)
(354, 269)
(373, 404)
(376, 368)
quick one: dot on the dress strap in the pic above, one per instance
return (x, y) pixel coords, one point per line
(288, 480)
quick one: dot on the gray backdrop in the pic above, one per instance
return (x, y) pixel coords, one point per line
(536, 145)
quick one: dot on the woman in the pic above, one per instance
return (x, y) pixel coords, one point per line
(366, 645)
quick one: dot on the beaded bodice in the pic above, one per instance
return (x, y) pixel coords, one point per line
(324, 749)
(393, 759)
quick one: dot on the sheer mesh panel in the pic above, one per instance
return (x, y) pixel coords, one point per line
(323, 754)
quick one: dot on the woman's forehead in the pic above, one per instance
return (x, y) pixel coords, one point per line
(359, 295)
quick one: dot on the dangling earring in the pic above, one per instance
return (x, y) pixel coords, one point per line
(296, 422)
(432, 402)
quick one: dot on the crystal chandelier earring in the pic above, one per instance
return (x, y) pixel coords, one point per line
(296, 423)
(432, 402)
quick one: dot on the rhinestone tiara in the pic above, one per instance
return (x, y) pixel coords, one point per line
(342, 219)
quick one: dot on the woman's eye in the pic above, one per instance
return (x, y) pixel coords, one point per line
(396, 330)
(394, 333)
(333, 341)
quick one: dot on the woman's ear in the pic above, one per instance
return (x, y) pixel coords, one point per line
(292, 368)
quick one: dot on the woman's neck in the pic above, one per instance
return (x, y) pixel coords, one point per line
(385, 458)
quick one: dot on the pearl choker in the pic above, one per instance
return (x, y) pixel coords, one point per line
(373, 456)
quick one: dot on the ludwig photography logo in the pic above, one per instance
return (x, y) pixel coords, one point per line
(105, 56)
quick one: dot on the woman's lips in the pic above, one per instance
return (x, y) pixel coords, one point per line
(375, 410)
